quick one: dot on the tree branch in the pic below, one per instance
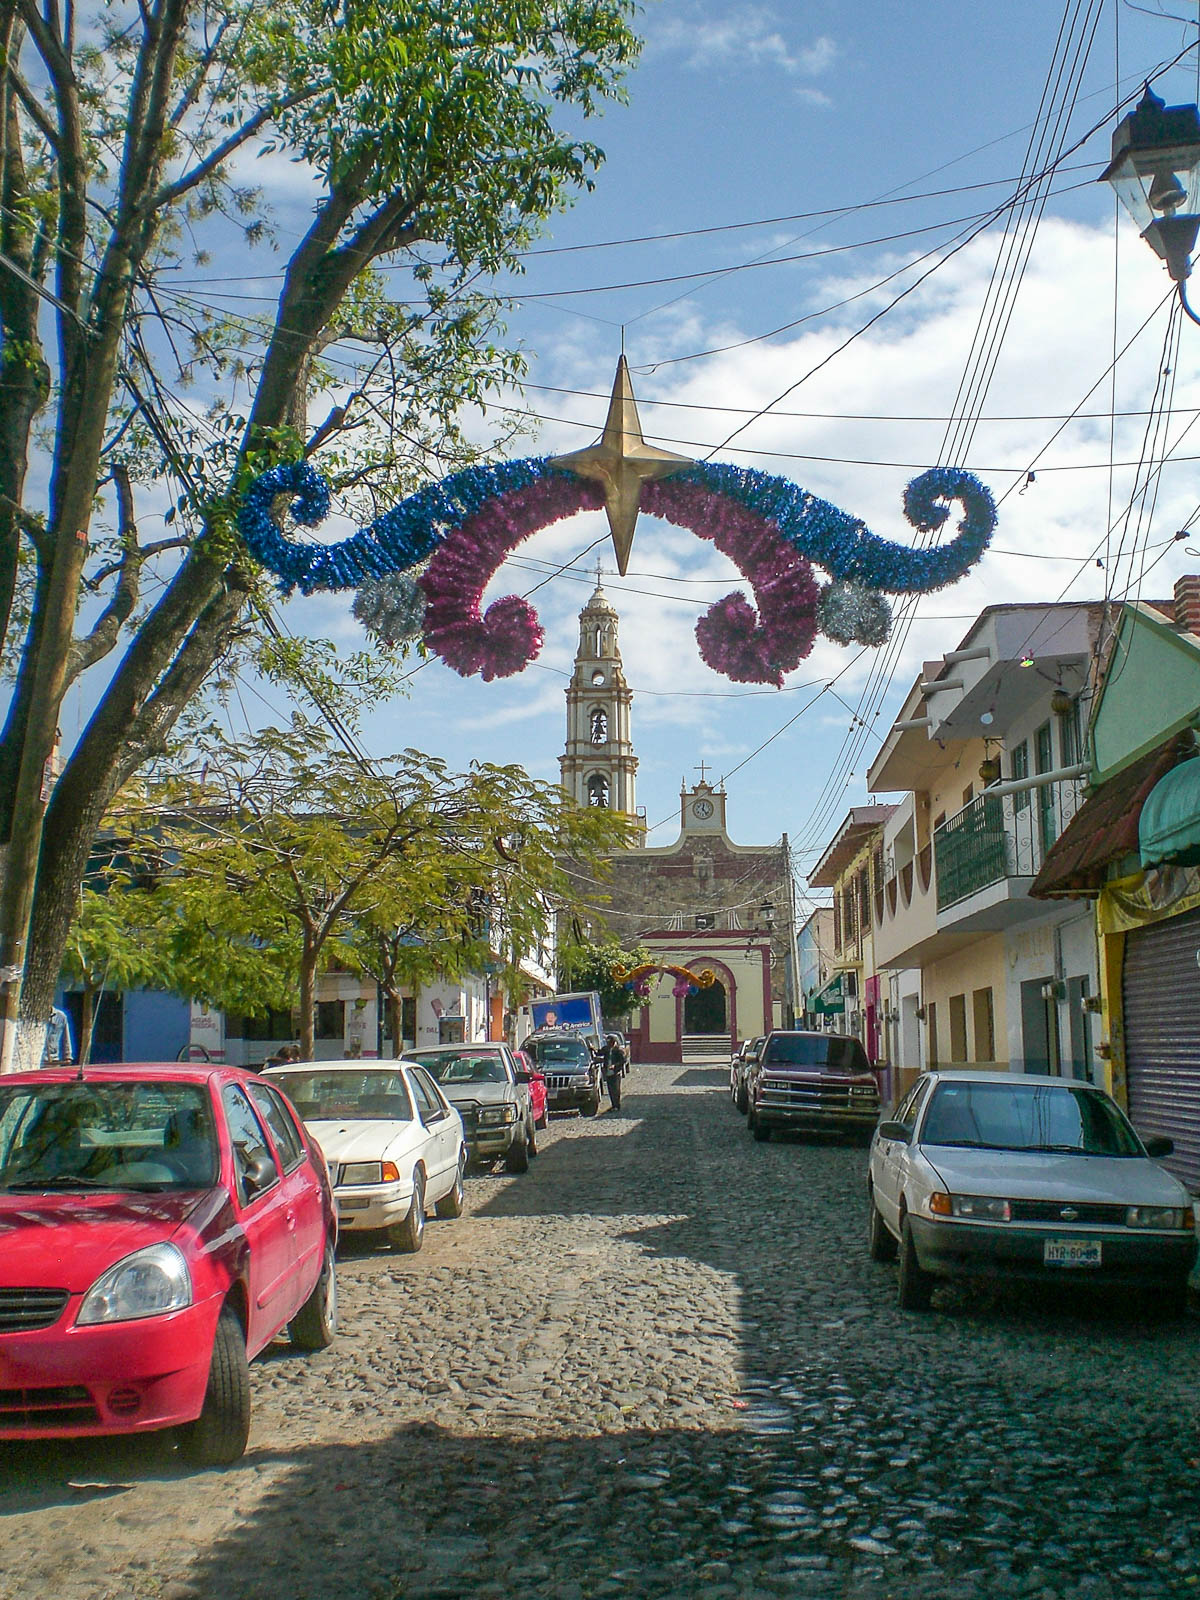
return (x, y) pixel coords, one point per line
(102, 638)
(181, 541)
(171, 192)
(34, 107)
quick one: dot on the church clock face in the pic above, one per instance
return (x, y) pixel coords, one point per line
(702, 810)
(597, 678)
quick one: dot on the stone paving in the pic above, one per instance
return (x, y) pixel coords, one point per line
(659, 1364)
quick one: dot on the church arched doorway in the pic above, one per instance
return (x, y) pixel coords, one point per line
(706, 1011)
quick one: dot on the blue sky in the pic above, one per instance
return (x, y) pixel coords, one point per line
(895, 120)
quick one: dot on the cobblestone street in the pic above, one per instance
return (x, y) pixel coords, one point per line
(658, 1364)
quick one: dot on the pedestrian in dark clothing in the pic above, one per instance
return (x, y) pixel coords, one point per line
(615, 1063)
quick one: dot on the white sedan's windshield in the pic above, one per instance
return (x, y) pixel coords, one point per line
(369, 1095)
(1067, 1118)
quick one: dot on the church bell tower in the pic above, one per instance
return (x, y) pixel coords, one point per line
(599, 766)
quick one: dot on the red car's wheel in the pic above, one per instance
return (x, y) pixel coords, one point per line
(315, 1324)
(218, 1435)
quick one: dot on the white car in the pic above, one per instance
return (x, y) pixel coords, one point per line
(393, 1142)
(998, 1174)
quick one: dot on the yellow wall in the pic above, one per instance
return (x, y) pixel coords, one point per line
(980, 965)
(947, 789)
(747, 975)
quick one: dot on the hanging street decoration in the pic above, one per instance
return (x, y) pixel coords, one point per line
(421, 568)
(637, 979)
(621, 462)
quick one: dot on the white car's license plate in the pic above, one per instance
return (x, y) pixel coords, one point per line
(1071, 1253)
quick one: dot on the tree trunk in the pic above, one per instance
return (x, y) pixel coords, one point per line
(308, 986)
(87, 1022)
(72, 818)
(395, 1012)
(111, 749)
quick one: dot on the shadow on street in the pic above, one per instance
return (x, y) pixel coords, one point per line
(1009, 1443)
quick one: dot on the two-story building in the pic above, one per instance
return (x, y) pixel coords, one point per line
(987, 753)
(814, 968)
(852, 868)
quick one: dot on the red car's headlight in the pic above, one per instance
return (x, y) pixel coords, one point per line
(149, 1283)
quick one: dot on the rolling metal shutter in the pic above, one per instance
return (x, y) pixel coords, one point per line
(1162, 1036)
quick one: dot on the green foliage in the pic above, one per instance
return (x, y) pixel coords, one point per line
(281, 852)
(117, 939)
(439, 137)
(583, 966)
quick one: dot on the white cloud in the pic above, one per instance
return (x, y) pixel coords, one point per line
(746, 34)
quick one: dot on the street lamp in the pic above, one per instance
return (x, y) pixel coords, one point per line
(767, 912)
(1155, 173)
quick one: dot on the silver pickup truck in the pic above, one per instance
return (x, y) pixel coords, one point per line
(491, 1094)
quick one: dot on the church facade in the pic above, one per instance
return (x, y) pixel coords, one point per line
(701, 902)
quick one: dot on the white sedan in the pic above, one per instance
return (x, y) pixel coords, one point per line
(393, 1142)
(987, 1174)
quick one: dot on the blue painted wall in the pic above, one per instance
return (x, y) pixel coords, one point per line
(157, 1026)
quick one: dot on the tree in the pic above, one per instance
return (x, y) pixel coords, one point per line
(429, 131)
(116, 943)
(283, 850)
(583, 966)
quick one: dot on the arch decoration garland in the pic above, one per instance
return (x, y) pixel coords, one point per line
(637, 979)
(421, 568)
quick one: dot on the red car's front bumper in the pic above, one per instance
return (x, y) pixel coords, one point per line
(120, 1377)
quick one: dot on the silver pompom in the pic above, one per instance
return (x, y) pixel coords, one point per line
(392, 608)
(848, 613)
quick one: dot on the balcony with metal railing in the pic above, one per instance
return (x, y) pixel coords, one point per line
(987, 854)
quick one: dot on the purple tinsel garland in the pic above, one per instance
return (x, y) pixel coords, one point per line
(747, 646)
(508, 636)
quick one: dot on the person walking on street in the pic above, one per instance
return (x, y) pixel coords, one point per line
(614, 1069)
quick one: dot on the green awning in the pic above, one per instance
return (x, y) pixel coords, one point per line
(1169, 829)
(830, 999)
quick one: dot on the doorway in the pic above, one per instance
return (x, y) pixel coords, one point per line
(1039, 1027)
(706, 1011)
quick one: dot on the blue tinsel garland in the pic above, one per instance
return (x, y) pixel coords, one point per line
(411, 531)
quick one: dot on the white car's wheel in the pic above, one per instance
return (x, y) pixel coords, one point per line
(451, 1205)
(881, 1242)
(409, 1235)
(914, 1290)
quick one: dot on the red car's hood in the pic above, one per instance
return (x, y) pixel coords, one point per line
(65, 1241)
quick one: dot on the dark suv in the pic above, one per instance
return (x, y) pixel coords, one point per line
(808, 1081)
(571, 1071)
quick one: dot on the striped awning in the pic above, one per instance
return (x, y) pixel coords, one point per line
(1169, 826)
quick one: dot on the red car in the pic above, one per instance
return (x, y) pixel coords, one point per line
(537, 1086)
(159, 1225)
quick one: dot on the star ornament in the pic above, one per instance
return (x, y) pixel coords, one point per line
(621, 462)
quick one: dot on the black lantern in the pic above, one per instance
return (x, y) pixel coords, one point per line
(1155, 171)
(767, 912)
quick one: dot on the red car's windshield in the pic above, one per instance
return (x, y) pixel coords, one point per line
(107, 1136)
